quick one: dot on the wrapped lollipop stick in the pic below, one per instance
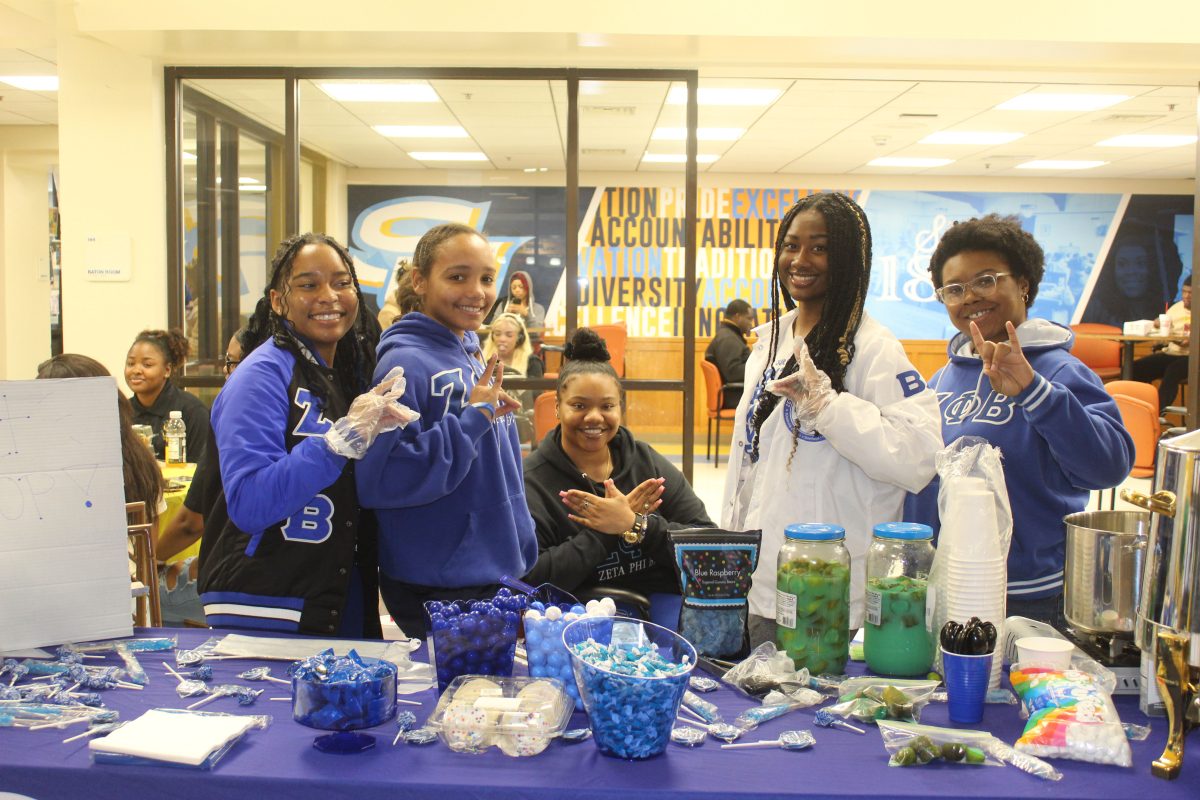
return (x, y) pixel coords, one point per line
(788, 740)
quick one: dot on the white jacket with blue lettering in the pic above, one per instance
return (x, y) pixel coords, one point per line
(1060, 438)
(874, 442)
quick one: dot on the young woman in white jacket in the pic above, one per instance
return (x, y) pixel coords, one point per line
(839, 425)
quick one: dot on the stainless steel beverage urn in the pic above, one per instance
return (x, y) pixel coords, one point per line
(1168, 619)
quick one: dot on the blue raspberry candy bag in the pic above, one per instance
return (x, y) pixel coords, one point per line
(715, 569)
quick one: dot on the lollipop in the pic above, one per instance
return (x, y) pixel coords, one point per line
(688, 737)
(17, 671)
(97, 727)
(261, 674)
(788, 740)
(825, 719)
(405, 721)
(223, 690)
(246, 696)
(420, 736)
(576, 735)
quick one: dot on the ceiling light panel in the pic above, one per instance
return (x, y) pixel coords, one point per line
(32, 83)
(725, 96)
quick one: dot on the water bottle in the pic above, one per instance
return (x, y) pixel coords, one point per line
(175, 435)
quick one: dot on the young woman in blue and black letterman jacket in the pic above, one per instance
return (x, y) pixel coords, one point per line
(1012, 380)
(287, 547)
(447, 490)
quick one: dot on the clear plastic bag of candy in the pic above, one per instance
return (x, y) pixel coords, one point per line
(912, 744)
(870, 699)
(715, 569)
(776, 704)
(766, 669)
(1071, 715)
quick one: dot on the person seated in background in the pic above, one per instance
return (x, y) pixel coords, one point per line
(519, 301)
(392, 309)
(179, 599)
(603, 502)
(509, 341)
(143, 480)
(1011, 379)
(1170, 363)
(728, 349)
(155, 356)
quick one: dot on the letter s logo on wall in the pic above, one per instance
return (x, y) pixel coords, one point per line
(313, 525)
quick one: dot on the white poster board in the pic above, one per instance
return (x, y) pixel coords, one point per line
(64, 567)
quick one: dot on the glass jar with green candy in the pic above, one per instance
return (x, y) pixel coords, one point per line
(812, 597)
(896, 641)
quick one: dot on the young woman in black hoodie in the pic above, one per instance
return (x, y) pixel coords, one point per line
(602, 502)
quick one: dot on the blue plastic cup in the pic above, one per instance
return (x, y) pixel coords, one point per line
(967, 679)
(631, 715)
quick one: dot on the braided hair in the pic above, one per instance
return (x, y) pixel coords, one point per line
(354, 358)
(831, 341)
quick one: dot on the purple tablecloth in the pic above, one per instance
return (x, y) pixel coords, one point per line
(282, 762)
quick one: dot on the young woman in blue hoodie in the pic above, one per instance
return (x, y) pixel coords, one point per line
(447, 489)
(1012, 380)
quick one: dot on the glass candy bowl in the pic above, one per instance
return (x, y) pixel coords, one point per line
(343, 695)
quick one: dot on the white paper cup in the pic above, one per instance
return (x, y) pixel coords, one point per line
(1164, 324)
(1044, 651)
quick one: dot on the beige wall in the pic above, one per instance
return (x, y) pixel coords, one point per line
(26, 158)
(111, 157)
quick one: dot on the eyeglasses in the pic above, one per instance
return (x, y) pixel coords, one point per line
(983, 286)
(230, 363)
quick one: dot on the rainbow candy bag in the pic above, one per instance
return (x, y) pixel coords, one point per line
(1071, 715)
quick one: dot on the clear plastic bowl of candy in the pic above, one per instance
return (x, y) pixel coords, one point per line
(519, 715)
(473, 637)
(632, 676)
(343, 694)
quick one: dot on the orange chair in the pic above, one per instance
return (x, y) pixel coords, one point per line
(1140, 417)
(614, 337)
(1101, 355)
(1139, 389)
(715, 394)
(544, 418)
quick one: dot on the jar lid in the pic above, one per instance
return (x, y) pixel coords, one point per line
(903, 530)
(814, 531)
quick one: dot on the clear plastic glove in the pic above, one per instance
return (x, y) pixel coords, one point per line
(372, 413)
(809, 389)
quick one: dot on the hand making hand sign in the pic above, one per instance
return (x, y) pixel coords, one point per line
(1003, 362)
(490, 389)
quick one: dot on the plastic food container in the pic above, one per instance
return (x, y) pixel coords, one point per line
(519, 715)
(1046, 652)
(548, 656)
(896, 641)
(631, 714)
(473, 637)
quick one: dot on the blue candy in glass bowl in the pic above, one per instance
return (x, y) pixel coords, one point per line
(631, 676)
(343, 694)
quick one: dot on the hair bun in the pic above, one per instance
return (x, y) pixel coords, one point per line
(586, 345)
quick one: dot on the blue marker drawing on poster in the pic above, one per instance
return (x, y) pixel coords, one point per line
(387, 232)
(906, 227)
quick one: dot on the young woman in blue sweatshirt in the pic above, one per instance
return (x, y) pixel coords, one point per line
(1012, 380)
(447, 489)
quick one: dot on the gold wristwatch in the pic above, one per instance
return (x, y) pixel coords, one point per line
(637, 533)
